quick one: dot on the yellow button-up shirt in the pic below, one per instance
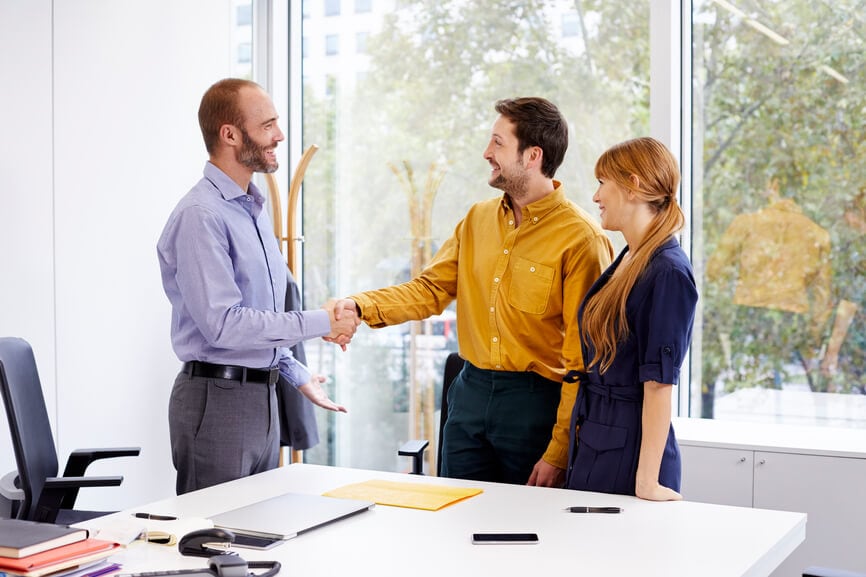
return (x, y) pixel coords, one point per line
(517, 289)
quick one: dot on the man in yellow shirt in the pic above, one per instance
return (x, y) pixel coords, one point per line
(518, 266)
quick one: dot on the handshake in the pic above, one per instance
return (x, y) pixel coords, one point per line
(344, 321)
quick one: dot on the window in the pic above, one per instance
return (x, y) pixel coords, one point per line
(361, 42)
(244, 15)
(332, 45)
(245, 52)
(332, 7)
(780, 201)
(362, 6)
(570, 25)
(410, 106)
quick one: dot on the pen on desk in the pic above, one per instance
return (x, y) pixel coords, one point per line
(155, 517)
(593, 509)
(104, 570)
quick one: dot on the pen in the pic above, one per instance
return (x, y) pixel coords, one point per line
(155, 517)
(593, 509)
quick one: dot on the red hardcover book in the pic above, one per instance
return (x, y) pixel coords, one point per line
(63, 557)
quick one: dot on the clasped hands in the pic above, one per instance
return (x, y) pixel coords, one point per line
(343, 314)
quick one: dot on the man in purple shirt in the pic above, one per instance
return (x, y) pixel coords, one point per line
(226, 280)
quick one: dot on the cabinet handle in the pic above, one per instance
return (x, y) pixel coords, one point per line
(762, 461)
(742, 459)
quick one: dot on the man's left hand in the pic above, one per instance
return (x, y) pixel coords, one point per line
(546, 475)
(314, 391)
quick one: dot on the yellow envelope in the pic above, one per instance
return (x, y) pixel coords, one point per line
(411, 495)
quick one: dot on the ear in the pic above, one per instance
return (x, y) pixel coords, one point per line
(635, 181)
(533, 155)
(230, 135)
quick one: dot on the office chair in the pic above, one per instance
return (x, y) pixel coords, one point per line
(44, 496)
(415, 448)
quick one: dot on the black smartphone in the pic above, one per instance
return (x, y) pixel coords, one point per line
(502, 538)
(252, 542)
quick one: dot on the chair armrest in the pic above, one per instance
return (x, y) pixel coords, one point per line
(9, 488)
(79, 482)
(80, 459)
(415, 449)
(61, 492)
(828, 572)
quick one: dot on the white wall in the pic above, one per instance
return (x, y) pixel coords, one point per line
(100, 100)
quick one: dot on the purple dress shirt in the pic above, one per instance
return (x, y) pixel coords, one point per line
(226, 280)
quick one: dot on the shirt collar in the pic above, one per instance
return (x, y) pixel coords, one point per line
(227, 187)
(541, 207)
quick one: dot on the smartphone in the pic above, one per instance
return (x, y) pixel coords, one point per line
(501, 538)
(252, 542)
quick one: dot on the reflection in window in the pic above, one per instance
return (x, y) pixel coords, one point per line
(408, 110)
(778, 154)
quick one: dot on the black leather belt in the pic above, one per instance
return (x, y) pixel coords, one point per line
(231, 372)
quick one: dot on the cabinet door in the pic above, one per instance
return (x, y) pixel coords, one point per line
(830, 491)
(719, 476)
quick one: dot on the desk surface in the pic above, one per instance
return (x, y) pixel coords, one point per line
(647, 539)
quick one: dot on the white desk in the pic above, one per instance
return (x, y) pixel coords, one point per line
(647, 539)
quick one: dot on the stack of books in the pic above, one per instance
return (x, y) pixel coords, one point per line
(30, 549)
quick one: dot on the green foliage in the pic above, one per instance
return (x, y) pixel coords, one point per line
(773, 111)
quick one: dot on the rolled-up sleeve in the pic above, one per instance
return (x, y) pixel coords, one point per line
(664, 326)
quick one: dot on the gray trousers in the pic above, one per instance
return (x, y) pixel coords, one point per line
(221, 430)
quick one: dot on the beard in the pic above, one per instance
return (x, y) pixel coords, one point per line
(513, 184)
(254, 156)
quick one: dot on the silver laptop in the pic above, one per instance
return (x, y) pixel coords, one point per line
(289, 515)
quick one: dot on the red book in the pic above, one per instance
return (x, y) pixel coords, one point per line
(59, 558)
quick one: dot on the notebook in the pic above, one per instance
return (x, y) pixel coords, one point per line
(287, 516)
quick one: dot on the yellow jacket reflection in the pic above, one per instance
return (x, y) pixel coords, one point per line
(780, 259)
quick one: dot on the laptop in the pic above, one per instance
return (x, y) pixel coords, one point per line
(287, 516)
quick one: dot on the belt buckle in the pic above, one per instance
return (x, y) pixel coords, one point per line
(273, 375)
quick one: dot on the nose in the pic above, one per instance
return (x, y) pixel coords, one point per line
(279, 136)
(487, 154)
(595, 197)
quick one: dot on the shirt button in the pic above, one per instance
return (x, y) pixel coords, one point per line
(498, 366)
(667, 350)
(491, 309)
(496, 279)
(505, 251)
(534, 219)
(511, 222)
(532, 269)
(495, 339)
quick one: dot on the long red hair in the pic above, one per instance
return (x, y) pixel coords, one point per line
(604, 320)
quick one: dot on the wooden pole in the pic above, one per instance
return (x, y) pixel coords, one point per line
(289, 240)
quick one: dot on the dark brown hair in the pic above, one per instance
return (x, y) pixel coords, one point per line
(537, 122)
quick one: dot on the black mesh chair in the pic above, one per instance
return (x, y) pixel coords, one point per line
(44, 496)
(415, 448)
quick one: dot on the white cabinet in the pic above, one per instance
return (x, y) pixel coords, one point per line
(767, 472)
(720, 476)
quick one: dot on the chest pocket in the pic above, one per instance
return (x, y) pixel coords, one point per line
(530, 286)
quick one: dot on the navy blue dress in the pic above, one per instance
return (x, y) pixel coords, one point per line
(660, 310)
